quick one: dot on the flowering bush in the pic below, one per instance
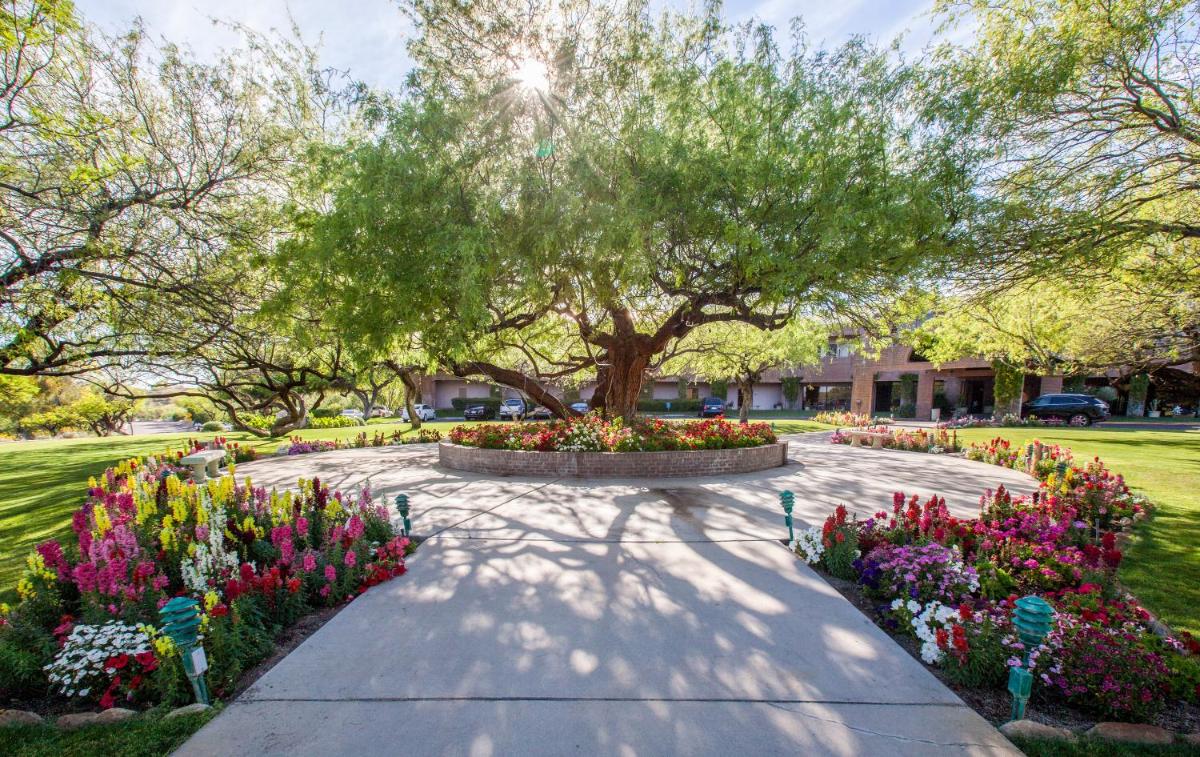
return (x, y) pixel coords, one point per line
(952, 584)
(114, 658)
(255, 560)
(922, 573)
(1008, 420)
(591, 433)
(845, 418)
(810, 545)
(909, 440)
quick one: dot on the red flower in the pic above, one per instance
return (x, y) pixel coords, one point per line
(293, 585)
(942, 638)
(221, 610)
(116, 662)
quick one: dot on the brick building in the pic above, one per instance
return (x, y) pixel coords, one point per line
(842, 380)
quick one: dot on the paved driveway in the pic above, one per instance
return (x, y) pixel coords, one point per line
(615, 617)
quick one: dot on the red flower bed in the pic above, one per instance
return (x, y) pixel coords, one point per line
(594, 434)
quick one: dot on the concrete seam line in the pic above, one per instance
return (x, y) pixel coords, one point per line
(629, 700)
(492, 508)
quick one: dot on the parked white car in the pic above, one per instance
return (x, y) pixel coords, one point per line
(352, 413)
(381, 411)
(424, 412)
(512, 409)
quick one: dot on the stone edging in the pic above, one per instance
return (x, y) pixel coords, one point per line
(675, 463)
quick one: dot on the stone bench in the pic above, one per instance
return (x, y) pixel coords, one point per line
(875, 437)
(204, 463)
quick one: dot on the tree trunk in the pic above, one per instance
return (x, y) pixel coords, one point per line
(746, 399)
(367, 400)
(746, 382)
(619, 381)
(411, 388)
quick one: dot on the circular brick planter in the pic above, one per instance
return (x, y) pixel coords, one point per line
(702, 462)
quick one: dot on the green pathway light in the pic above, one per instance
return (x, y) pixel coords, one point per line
(181, 623)
(1032, 620)
(787, 501)
(402, 508)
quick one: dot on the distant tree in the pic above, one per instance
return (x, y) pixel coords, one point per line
(743, 353)
(1087, 123)
(126, 172)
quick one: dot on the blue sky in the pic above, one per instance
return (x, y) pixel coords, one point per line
(367, 36)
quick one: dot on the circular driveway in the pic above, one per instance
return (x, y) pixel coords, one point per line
(745, 506)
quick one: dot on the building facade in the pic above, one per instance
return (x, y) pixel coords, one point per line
(897, 380)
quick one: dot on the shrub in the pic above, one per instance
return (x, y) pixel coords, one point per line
(839, 538)
(1107, 671)
(337, 421)
(213, 426)
(462, 403)
(677, 405)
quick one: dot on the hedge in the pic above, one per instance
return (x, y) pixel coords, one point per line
(338, 421)
(660, 406)
(462, 403)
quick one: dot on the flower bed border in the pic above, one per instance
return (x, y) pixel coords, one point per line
(671, 463)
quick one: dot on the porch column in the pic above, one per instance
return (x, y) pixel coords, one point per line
(862, 391)
(925, 381)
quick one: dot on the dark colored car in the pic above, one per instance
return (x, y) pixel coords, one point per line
(540, 413)
(1074, 409)
(479, 412)
(711, 407)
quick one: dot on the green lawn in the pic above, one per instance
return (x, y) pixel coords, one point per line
(1163, 565)
(148, 735)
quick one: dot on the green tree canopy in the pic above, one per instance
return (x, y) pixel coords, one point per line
(570, 188)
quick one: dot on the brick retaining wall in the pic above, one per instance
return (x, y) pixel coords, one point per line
(705, 462)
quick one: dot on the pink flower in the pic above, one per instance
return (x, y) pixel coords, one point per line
(350, 559)
(331, 573)
(310, 562)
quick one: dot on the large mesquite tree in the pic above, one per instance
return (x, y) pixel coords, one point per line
(571, 189)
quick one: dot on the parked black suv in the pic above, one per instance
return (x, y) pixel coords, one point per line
(1075, 409)
(479, 412)
(712, 407)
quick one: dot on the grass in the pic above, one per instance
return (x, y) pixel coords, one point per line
(147, 735)
(1162, 567)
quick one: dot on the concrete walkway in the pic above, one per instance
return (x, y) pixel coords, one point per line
(610, 617)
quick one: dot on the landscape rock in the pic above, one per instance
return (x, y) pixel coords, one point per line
(114, 714)
(187, 709)
(76, 720)
(19, 717)
(1031, 729)
(1131, 733)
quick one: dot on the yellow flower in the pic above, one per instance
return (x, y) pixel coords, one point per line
(210, 601)
(4, 609)
(103, 522)
(164, 646)
(25, 589)
(191, 550)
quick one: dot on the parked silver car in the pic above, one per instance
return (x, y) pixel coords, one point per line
(512, 409)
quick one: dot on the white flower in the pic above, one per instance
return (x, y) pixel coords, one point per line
(913, 606)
